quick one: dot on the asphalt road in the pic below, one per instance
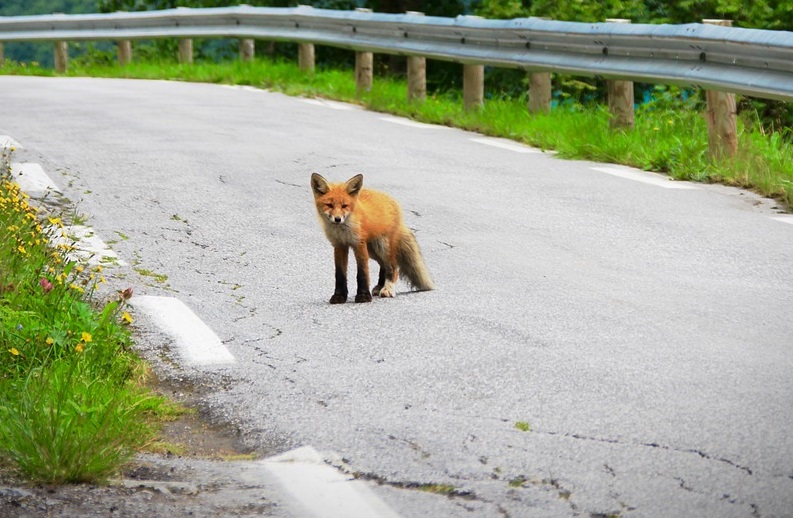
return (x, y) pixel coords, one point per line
(644, 334)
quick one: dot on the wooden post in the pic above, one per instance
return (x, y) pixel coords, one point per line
(473, 86)
(185, 50)
(539, 92)
(364, 65)
(61, 56)
(417, 78)
(417, 73)
(620, 97)
(247, 49)
(722, 123)
(124, 52)
(305, 57)
(363, 72)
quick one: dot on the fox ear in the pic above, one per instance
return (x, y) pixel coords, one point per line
(354, 185)
(318, 184)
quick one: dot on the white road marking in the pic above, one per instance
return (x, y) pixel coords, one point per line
(784, 219)
(506, 144)
(32, 179)
(8, 142)
(197, 343)
(87, 245)
(411, 123)
(645, 177)
(333, 105)
(323, 491)
(246, 88)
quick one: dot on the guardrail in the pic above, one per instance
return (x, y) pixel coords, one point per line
(746, 61)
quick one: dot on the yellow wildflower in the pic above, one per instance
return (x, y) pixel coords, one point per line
(126, 317)
(14, 351)
(78, 347)
(86, 337)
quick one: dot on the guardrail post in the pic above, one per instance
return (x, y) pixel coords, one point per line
(247, 49)
(620, 97)
(185, 50)
(363, 72)
(305, 57)
(539, 92)
(722, 124)
(364, 64)
(2, 58)
(417, 73)
(124, 52)
(61, 56)
(473, 86)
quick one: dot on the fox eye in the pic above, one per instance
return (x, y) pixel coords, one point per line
(329, 205)
(344, 205)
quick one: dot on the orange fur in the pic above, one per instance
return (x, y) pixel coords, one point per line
(369, 222)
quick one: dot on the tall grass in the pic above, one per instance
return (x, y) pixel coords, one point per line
(72, 408)
(670, 133)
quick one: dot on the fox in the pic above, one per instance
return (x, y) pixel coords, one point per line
(369, 222)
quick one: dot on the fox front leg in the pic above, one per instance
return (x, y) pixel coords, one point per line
(340, 254)
(362, 261)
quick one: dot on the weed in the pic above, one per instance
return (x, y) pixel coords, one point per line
(71, 405)
(159, 277)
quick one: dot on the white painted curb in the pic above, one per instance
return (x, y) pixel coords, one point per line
(88, 246)
(197, 343)
(636, 175)
(8, 142)
(322, 491)
(32, 179)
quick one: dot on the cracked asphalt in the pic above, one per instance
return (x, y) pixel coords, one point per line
(595, 346)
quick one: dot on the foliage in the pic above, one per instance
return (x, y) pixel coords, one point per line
(70, 407)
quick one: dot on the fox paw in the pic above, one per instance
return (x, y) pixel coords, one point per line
(338, 298)
(387, 290)
(363, 297)
(376, 290)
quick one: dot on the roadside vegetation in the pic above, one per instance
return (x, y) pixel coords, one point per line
(74, 403)
(670, 134)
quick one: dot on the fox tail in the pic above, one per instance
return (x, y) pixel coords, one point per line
(411, 264)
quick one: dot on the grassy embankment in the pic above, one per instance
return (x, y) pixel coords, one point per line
(73, 405)
(670, 134)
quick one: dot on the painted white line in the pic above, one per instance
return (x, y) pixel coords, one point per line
(411, 124)
(506, 144)
(8, 142)
(246, 88)
(87, 245)
(323, 491)
(32, 179)
(636, 175)
(784, 219)
(333, 105)
(197, 343)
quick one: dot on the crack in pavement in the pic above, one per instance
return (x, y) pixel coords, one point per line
(654, 445)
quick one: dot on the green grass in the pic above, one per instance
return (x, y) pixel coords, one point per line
(670, 135)
(72, 403)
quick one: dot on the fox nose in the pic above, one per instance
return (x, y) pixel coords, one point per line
(337, 219)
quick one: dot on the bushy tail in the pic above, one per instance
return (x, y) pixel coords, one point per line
(411, 264)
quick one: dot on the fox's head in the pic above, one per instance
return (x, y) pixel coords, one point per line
(335, 201)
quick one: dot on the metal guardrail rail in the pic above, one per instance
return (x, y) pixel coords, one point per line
(747, 61)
